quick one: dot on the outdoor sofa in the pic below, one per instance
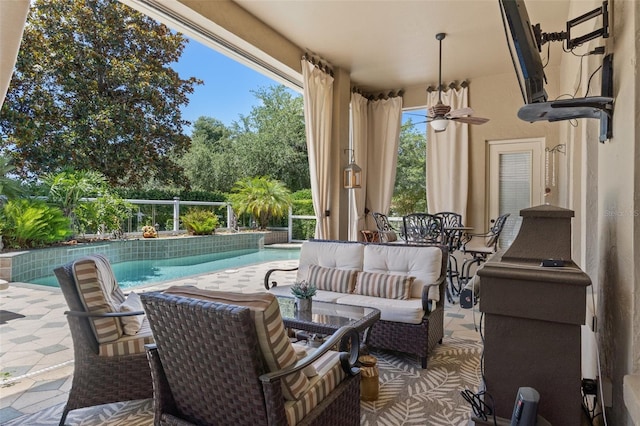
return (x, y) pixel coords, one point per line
(405, 282)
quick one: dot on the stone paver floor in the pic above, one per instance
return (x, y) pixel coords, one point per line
(36, 350)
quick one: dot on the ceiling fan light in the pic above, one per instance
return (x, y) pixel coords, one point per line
(439, 124)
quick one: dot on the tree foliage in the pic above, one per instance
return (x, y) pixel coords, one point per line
(9, 187)
(211, 163)
(269, 141)
(93, 88)
(410, 187)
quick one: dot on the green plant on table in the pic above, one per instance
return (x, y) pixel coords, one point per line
(303, 290)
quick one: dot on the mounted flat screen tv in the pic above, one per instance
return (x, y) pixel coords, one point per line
(523, 41)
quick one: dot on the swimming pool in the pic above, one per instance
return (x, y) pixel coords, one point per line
(143, 272)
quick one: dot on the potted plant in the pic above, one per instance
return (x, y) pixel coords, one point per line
(149, 231)
(303, 291)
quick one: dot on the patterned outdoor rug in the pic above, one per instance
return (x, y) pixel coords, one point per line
(409, 395)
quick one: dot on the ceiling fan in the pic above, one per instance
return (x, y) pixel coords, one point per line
(440, 114)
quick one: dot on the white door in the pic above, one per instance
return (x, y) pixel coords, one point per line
(516, 181)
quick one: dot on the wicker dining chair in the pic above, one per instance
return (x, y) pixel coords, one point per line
(109, 366)
(220, 358)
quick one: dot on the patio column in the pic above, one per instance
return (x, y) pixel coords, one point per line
(339, 219)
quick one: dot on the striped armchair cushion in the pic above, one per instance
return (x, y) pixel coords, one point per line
(272, 337)
(332, 279)
(384, 285)
(128, 345)
(99, 293)
(330, 374)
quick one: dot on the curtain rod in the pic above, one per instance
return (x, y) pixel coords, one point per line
(318, 63)
(452, 85)
(378, 96)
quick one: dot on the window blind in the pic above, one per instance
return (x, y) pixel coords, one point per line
(514, 191)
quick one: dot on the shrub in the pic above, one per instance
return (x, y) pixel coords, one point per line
(200, 221)
(31, 223)
(105, 214)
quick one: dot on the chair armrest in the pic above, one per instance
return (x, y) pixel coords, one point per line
(271, 271)
(348, 341)
(428, 304)
(103, 315)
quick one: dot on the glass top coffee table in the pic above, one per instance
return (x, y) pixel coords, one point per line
(326, 317)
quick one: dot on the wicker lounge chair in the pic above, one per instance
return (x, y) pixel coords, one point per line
(99, 377)
(209, 365)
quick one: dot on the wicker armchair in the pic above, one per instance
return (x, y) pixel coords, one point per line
(101, 376)
(209, 368)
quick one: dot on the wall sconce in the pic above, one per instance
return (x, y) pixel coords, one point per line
(352, 176)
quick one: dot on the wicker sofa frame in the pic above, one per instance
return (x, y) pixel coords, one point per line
(98, 379)
(414, 339)
(207, 368)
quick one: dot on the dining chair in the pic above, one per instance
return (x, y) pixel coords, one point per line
(386, 232)
(422, 228)
(452, 238)
(480, 246)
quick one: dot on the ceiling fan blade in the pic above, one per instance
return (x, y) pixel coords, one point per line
(470, 120)
(460, 112)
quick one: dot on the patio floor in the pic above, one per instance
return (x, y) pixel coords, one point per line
(36, 349)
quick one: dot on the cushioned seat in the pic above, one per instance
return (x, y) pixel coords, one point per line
(109, 332)
(225, 358)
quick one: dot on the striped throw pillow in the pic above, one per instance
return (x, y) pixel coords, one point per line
(272, 337)
(332, 279)
(384, 285)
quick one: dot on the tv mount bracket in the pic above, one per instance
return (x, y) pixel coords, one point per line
(542, 38)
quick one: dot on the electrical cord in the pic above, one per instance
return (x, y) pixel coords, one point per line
(480, 408)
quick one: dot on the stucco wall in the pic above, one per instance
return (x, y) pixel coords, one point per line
(498, 97)
(604, 194)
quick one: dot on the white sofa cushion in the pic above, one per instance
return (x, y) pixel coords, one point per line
(406, 311)
(329, 255)
(422, 262)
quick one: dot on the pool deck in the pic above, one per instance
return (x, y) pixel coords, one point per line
(37, 351)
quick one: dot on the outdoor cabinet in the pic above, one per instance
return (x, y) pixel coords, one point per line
(532, 318)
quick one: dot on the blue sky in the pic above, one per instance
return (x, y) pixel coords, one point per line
(226, 92)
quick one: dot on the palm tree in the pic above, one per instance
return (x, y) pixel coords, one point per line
(9, 188)
(261, 197)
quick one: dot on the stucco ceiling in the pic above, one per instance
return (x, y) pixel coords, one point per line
(391, 44)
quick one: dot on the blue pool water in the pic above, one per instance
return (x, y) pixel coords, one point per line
(144, 272)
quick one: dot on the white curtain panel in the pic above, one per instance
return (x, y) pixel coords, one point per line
(13, 16)
(385, 118)
(358, 127)
(448, 159)
(318, 107)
